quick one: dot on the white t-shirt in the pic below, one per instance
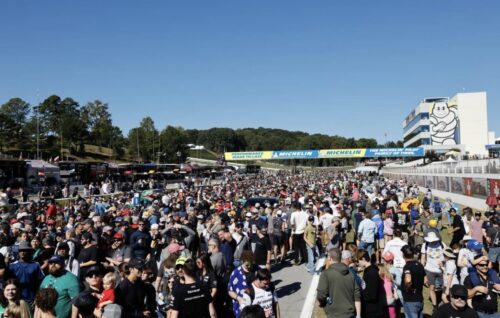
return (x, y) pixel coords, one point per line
(299, 219)
(469, 255)
(394, 246)
(450, 268)
(326, 220)
(435, 256)
(264, 298)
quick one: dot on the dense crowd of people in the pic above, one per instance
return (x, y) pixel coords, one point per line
(207, 250)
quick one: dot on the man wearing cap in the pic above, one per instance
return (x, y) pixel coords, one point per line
(432, 258)
(457, 227)
(131, 292)
(88, 255)
(65, 283)
(28, 273)
(457, 307)
(484, 298)
(70, 263)
(466, 256)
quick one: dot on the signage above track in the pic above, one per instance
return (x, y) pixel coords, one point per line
(325, 154)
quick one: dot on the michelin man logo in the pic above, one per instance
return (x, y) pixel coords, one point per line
(444, 124)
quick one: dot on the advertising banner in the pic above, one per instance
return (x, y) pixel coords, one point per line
(325, 154)
(342, 153)
(250, 155)
(494, 192)
(457, 185)
(494, 187)
(295, 154)
(479, 188)
(395, 152)
(429, 182)
(442, 183)
(467, 186)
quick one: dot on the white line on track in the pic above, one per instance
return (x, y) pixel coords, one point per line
(308, 308)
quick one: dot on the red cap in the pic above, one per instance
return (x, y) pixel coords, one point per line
(388, 256)
(118, 235)
(13, 221)
(51, 222)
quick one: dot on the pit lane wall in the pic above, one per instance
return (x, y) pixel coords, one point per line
(325, 154)
(473, 183)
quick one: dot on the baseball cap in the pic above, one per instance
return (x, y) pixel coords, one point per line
(248, 214)
(136, 263)
(449, 253)
(388, 256)
(107, 228)
(240, 225)
(118, 236)
(180, 261)
(56, 259)
(459, 291)
(474, 245)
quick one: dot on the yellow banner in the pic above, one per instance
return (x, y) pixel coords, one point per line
(250, 155)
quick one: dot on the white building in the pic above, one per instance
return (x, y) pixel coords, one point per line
(441, 124)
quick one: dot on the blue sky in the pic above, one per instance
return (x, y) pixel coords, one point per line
(349, 68)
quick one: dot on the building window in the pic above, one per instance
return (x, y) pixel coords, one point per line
(415, 120)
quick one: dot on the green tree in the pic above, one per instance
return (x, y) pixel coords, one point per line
(14, 116)
(60, 120)
(144, 140)
(173, 141)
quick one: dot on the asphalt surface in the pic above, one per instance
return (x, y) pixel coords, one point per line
(292, 284)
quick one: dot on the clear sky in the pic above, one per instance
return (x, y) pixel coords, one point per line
(349, 68)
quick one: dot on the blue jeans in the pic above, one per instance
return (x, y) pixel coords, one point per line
(413, 309)
(367, 247)
(310, 259)
(485, 315)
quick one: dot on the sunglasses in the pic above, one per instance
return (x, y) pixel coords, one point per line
(482, 265)
(460, 297)
(177, 267)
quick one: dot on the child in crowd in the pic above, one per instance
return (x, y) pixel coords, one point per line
(108, 295)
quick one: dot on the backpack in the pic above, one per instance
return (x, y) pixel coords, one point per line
(251, 293)
(437, 207)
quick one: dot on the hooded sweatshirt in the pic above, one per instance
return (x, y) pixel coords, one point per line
(338, 283)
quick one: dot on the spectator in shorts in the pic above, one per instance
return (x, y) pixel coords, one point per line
(432, 257)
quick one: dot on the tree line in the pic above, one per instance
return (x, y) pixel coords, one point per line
(62, 127)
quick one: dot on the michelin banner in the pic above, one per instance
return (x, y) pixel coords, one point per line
(325, 154)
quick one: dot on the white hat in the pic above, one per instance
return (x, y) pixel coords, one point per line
(346, 254)
(154, 226)
(248, 214)
(431, 237)
(467, 238)
(22, 215)
(16, 226)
